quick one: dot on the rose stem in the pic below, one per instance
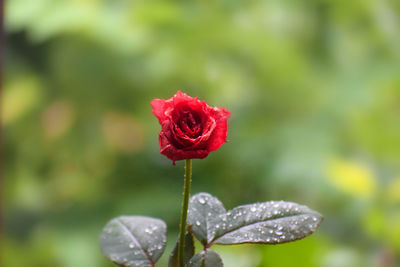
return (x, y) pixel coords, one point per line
(185, 204)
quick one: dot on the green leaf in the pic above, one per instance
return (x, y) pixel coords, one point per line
(205, 258)
(133, 240)
(270, 222)
(189, 251)
(202, 208)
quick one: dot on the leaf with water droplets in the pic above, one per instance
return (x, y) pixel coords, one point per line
(272, 222)
(205, 258)
(203, 207)
(133, 241)
(188, 254)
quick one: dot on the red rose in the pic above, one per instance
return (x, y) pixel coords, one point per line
(190, 128)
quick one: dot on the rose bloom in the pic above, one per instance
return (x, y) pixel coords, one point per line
(190, 128)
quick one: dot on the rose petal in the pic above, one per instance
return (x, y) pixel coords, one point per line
(180, 98)
(160, 108)
(175, 154)
(218, 137)
(221, 113)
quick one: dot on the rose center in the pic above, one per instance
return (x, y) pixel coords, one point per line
(190, 124)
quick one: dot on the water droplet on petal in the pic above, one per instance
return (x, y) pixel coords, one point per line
(202, 201)
(198, 223)
(253, 209)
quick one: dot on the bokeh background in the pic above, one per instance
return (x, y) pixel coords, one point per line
(313, 88)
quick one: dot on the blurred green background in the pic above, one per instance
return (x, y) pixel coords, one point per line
(313, 88)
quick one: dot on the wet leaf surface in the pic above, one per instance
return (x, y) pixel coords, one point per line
(203, 207)
(271, 222)
(133, 241)
(205, 258)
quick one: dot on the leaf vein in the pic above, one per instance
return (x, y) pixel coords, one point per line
(135, 240)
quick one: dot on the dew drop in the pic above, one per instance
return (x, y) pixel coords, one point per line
(131, 245)
(253, 209)
(202, 201)
(314, 219)
(278, 233)
(198, 223)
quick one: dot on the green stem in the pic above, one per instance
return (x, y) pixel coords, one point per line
(185, 204)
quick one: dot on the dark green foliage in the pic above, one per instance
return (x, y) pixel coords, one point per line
(202, 208)
(140, 241)
(133, 240)
(189, 250)
(205, 258)
(272, 222)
